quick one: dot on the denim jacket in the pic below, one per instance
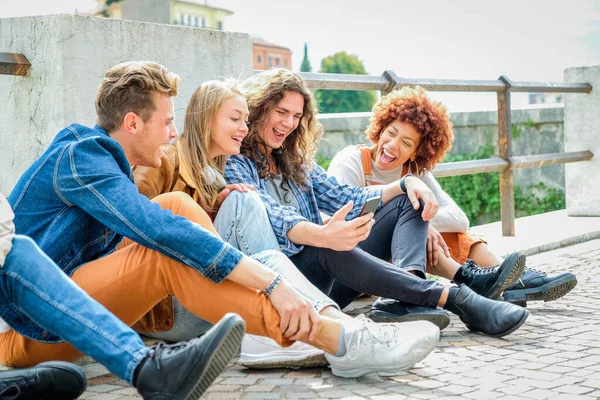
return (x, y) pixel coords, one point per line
(78, 201)
(321, 193)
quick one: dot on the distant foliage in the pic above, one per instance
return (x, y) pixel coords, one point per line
(305, 66)
(478, 195)
(339, 101)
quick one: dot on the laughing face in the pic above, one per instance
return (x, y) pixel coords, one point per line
(397, 144)
(282, 120)
(229, 127)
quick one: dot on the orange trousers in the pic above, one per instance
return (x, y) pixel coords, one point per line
(460, 244)
(133, 279)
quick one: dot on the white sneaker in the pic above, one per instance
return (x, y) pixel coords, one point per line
(262, 352)
(386, 348)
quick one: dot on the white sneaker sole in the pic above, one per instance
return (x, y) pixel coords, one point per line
(291, 360)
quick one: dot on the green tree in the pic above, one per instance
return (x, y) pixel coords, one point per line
(104, 11)
(305, 66)
(336, 101)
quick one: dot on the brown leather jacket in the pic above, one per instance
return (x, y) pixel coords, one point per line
(151, 182)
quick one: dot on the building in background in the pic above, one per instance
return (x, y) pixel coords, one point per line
(269, 55)
(194, 13)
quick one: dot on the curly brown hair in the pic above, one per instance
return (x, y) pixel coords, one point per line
(295, 158)
(429, 118)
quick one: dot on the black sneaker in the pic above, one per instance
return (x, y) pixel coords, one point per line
(185, 370)
(49, 380)
(536, 285)
(491, 282)
(390, 310)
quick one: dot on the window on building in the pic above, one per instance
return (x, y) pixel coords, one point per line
(277, 61)
(181, 19)
(269, 61)
(203, 22)
(259, 59)
(285, 63)
(220, 25)
(196, 21)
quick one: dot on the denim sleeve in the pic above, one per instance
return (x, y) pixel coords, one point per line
(240, 169)
(331, 195)
(94, 176)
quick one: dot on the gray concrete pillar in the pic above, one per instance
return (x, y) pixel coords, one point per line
(582, 132)
(69, 56)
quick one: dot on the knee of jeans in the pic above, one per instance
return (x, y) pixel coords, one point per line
(405, 203)
(273, 259)
(246, 202)
(174, 200)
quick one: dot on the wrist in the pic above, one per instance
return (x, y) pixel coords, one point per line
(273, 285)
(403, 182)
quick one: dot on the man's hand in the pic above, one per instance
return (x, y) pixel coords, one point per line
(435, 242)
(240, 187)
(299, 319)
(341, 235)
(416, 190)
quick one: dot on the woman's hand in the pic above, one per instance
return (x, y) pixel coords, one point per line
(240, 187)
(435, 242)
(299, 319)
(415, 190)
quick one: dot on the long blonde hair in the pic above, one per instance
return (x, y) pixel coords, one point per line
(197, 130)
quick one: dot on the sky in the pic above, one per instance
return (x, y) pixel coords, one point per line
(531, 40)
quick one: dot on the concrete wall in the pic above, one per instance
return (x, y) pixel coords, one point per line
(69, 56)
(535, 131)
(582, 132)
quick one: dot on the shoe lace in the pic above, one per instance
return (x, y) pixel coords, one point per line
(472, 268)
(18, 386)
(155, 351)
(370, 331)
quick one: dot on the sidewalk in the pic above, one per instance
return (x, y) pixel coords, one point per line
(555, 355)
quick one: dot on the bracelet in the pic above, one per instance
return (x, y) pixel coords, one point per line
(273, 285)
(402, 183)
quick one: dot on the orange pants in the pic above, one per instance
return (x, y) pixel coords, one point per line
(133, 279)
(460, 244)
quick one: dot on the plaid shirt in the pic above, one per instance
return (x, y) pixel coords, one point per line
(322, 193)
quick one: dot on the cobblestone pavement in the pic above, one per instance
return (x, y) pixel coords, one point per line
(555, 355)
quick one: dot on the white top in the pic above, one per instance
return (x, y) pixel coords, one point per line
(7, 233)
(347, 168)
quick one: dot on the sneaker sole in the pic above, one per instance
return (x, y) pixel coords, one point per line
(548, 292)
(440, 320)
(509, 277)
(316, 360)
(227, 348)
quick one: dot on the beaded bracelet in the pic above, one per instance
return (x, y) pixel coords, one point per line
(402, 183)
(273, 285)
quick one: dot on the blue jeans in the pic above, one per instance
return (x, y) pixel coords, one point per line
(242, 221)
(34, 285)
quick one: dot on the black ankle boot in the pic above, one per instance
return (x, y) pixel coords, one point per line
(537, 285)
(479, 314)
(185, 370)
(491, 282)
(49, 380)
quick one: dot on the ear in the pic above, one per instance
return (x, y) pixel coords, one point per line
(132, 123)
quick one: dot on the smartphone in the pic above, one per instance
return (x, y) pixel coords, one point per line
(370, 205)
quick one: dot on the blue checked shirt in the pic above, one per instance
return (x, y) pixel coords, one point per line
(322, 193)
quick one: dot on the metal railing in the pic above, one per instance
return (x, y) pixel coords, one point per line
(503, 87)
(18, 64)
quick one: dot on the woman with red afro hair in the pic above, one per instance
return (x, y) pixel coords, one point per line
(411, 134)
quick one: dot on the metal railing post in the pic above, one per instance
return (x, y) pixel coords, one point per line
(392, 78)
(507, 191)
(14, 64)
